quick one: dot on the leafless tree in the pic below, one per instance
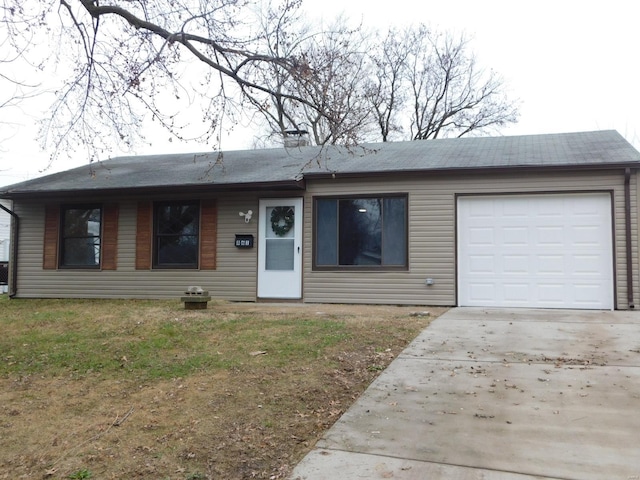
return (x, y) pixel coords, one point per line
(16, 88)
(452, 96)
(333, 66)
(337, 111)
(131, 61)
(276, 107)
(13, 88)
(183, 64)
(413, 84)
(385, 89)
(431, 81)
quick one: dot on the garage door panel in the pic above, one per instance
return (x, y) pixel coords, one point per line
(550, 265)
(587, 265)
(515, 264)
(586, 295)
(516, 236)
(515, 292)
(481, 211)
(545, 295)
(481, 292)
(549, 236)
(482, 264)
(550, 251)
(518, 208)
(552, 293)
(586, 235)
(481, 236)
(586, 206)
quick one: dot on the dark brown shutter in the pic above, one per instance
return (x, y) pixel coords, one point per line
(143, 236)
(51, 236)
(208, 234)
(110, 237)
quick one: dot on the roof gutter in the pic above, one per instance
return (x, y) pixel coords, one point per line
(487, 170)
(294, 184)
(15, 227)
(628, 238)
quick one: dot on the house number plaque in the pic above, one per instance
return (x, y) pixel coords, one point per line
(244, 241)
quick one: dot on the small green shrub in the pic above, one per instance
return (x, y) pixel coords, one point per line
(80, 474)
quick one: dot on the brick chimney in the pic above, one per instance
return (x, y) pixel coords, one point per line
(296, 138)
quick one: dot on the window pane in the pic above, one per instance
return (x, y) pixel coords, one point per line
(80, 242)
(279, 254)
(327, 232)
(394, 232)
(177, 250)
(178, 219)
(81, 222)
(283, 218)
(368, 231)
(176, 234)
(360, 231)
(81, 252)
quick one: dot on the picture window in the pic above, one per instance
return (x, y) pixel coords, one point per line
(361, 232)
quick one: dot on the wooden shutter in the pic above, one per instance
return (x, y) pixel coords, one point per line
(144, 235)
(110, 237)
(208, 234)
(51, 236)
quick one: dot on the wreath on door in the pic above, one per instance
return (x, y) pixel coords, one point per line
(281, 220)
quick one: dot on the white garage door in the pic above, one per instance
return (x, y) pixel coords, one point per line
(548, 251)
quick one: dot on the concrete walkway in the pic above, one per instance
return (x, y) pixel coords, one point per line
(497, 394)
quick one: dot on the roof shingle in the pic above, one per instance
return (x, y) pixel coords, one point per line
(288, 166)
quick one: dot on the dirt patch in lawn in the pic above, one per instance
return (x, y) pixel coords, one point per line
(253, 414)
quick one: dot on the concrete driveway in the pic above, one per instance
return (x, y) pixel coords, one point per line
(497, 394)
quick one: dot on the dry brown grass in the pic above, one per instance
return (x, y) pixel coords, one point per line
(228, 415)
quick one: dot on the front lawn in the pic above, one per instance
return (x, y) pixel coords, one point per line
(145, 389)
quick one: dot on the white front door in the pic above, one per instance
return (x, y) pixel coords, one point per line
(280, 248)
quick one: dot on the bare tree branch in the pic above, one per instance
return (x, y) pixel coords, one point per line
(136, 59)
(192, 66)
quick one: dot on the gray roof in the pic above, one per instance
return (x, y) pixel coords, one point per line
(287, 168)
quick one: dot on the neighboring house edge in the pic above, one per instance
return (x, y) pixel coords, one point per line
(542, 221)
(5, 244)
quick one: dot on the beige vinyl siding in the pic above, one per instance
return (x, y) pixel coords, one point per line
(233, 279)
(432, 233)
(635, 230)
(432, 243)
(620, 255)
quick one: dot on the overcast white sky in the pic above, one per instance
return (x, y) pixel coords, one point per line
(573, 64)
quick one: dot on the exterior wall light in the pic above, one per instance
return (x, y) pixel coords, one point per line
(247, 216)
